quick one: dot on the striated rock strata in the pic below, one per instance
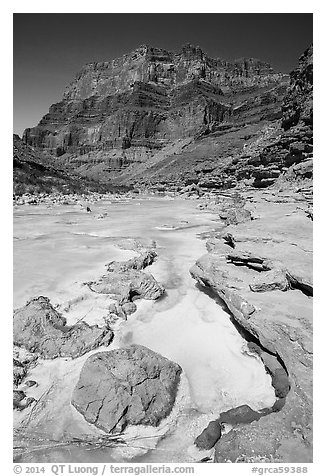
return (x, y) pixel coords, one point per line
(158, 119)
(121, 112)
(35, 172)
(251, 146)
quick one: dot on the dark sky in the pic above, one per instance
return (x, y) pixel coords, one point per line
(49, 49)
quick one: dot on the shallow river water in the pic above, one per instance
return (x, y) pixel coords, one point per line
(58, 248)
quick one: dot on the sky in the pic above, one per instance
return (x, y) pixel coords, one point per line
(49, 49)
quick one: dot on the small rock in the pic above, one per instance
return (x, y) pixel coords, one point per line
(240, 415)
(129, 308)
(210, 436)
(274, 279)
(18, 397)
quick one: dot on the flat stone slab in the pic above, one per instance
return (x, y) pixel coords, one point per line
(267, 288)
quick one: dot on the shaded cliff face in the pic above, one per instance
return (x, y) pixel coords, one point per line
(150, 97)
(35, 172)
(255, 147)
(298, 102)
(289, 156)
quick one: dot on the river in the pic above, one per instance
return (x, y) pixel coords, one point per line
(57, 248)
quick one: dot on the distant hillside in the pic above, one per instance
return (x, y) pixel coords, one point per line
(34, 172)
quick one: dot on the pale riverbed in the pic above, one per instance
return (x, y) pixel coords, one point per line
(57, 249)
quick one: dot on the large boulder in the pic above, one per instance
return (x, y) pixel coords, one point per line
(39, 328)
(129, 386)
(235, 215)
(231, 209)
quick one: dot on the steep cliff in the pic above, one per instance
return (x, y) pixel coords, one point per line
(298, 103)
(292, 151)
(120, 112)
(266, 140)
(165, 68)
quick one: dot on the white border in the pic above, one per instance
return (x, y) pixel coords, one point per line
(316, 7)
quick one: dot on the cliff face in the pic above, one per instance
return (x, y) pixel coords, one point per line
(251, 148)
(34, 173)
(165, 68)
(150, 97)
(298, 102)
(292, 152)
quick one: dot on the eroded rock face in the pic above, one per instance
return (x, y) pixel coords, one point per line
(35, 172)
(118, 113)
(230, 208)
(250, 146)
(129, 386)
(122, 120)
(127, 285)
(298, 104)
(280, 378)
(20, 401)
(159, 66)
(235, 215)
(294, 145)
(22, 362)
(139, 262)
(39, 328)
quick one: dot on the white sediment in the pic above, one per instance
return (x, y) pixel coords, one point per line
(64, 247)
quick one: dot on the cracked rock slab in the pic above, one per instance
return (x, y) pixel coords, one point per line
(128, 386)
(39, 328)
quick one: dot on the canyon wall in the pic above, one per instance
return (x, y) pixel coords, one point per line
(151, 97)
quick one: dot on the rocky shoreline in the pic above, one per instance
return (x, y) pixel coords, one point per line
(259, 266)
(41, 334)
(67, 199)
